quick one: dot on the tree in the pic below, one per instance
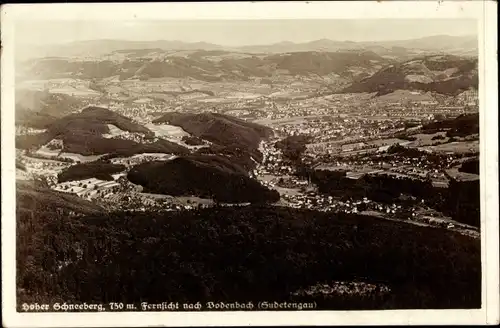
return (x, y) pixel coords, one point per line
(362, 207)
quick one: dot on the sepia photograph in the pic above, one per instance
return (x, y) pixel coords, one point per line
(228, 163)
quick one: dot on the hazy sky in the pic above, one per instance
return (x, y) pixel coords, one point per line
(240, 32)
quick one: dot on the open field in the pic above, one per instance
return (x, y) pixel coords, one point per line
(462, 176)
(166, 130)
(79, 157)
(143, 100)
(387, 142)
(45, 151)
(290, 120)
(426, 139)
(457, 147)
(67, 86)
(76, 92)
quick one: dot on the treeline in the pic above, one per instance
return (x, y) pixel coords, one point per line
(293, 146)
(99, 170)
(242, 254)
(405, 151)
(235, 154)
(463, 201)
(379, 188)
(119, 147)
(460, 200)
(192, 141)
(461, 126)
(58, 158)
(470, 166)
(20, 165)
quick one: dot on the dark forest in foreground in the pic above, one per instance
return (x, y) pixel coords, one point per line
(235, 254)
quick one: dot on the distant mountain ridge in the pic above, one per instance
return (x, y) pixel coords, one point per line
(431, 43)
(452, 44)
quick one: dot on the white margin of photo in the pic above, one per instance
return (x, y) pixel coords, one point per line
(484, 11)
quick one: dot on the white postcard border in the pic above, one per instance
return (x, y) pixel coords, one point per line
(485, 12)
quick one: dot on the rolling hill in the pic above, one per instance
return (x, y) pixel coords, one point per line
(98, 170)
(33, 119)
(209, 66)
(38, 201)
(94, 120)
(223, 130)
(43, 103)
(80, 127)
(214, 177)
(448, 75)
(314, 59)
(324, 63)
(82, 133)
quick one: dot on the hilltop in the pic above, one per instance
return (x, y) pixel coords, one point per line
(212, 177)
(220, 129)
(98, 170)
(444, 74)
(82, 133)
(244, 159)
(43, 105)
(324, 63)
(94, 120)
(91, 122)
(33, 119)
